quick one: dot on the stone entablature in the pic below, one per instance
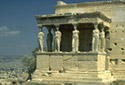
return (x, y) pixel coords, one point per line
(68, 18)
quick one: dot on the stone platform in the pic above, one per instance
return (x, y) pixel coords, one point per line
(86, 68)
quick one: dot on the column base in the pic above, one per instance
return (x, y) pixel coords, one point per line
(72, 69)
(73, 78)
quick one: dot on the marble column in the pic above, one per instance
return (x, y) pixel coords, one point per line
(75, 39)
(49, 40)
(41, 39)
(58, 36)
(95, 39)
(102, 40)
(54, 30)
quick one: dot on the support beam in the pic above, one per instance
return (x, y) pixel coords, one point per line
(75, 39)
(102, 38)
(41, 39)
(95, 40)
(58, 36)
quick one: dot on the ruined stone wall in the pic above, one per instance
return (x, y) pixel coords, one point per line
(116, 40)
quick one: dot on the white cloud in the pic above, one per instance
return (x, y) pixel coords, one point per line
(3, 28)
(5, 32)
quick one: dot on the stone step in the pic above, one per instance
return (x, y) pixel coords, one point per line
(52, 79)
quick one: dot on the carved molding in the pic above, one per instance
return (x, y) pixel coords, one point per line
(72, 18)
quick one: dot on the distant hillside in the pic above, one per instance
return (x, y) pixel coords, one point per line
(9, 57)
(10, 63)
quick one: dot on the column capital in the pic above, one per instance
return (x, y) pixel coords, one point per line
(101, 26)
(75, 25)
(95, 25)
(40, 27)
(57, 26)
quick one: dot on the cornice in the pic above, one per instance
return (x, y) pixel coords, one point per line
(72, 17)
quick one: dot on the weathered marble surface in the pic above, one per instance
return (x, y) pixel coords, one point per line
(41, 41)
(95, 40)
(75, 41)
(96, 52)
(57, 40)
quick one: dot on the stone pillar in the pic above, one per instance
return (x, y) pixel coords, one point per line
(102, 40)
(95, 40)
(49, 40)
(41, 39)
(58, 36)
(54, 30)
(75, 39)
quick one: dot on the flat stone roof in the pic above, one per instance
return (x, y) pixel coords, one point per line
(96, 14)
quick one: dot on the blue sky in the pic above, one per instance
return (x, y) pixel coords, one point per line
(18, 28)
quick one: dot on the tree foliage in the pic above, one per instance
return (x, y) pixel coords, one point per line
(34, 51)
(29, 63)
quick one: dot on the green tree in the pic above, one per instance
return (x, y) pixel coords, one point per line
(34, 51)
(29, 63)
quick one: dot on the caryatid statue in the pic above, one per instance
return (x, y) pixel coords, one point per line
(102, 40)
(95, 40)
(58, 36)
(41, 40)
(75, 40)
(49, 40)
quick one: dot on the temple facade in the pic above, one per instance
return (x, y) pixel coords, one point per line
(86, 46)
